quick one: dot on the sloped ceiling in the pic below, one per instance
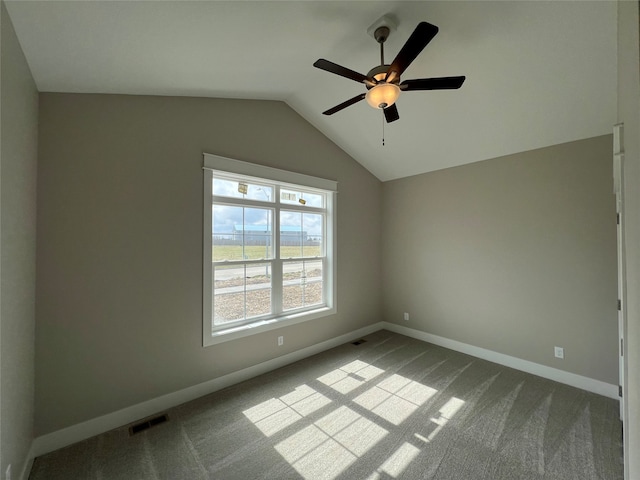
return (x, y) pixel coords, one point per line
(538, 73)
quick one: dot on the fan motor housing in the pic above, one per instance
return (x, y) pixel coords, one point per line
(379, 73)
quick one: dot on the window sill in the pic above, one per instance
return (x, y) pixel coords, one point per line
(260, 326)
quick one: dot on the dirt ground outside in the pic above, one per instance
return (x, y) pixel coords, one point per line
(297, 292)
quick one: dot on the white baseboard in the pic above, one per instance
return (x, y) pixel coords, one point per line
(81, 431)
(572, 379)
(26, 470)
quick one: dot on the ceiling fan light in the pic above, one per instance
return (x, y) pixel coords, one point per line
(383, 95)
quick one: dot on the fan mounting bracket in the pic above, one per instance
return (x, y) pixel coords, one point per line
(381, 28)
(381, 34)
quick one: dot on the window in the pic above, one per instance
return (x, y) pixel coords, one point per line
(268, 251)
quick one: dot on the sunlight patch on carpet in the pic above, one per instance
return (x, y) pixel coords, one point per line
(276, 414)
(400, 460)
(327, 447)
(350, 376)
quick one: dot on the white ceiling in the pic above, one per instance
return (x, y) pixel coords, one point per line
(538, 73)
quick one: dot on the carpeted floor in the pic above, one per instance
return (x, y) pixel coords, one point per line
(390, 408)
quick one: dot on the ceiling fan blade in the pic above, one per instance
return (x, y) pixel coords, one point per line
(331, 67)
(442, 83)
(391, 113)
(346, 104)
(419, 39)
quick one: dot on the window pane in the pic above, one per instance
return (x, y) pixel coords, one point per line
(241, 292)
(242, 189)
(300, 197)
(241, 233)
(301, 234)
(302, 284)
(313, 224)
(258, 288)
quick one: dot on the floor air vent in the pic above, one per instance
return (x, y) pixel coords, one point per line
(146, 424)
(358, 342)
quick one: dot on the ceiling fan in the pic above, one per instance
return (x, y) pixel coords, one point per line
(383, 82)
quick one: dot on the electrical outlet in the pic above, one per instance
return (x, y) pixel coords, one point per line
(559, 352)
(7, 475)
(280, 340)
(406, 316)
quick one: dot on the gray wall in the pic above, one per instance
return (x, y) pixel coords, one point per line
(18, 155)
(119, 245)
(629, 114)
(515, 254)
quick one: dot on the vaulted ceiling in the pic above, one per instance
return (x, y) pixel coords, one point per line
(538, 73)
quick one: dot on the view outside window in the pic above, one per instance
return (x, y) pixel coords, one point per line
(268, 249)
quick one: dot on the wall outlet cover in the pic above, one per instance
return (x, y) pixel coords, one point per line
(559, 352)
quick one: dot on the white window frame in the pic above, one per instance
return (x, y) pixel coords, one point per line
(227, 166)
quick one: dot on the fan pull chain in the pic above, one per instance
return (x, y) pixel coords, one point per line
(382, 127)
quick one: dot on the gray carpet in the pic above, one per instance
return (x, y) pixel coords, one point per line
(392, 407)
